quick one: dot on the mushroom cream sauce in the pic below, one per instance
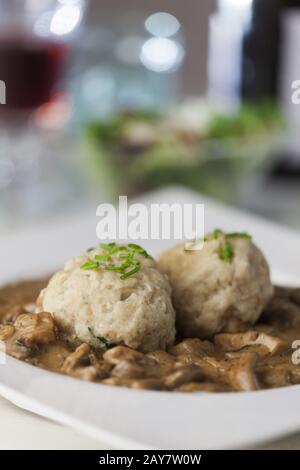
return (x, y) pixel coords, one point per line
(242, 359)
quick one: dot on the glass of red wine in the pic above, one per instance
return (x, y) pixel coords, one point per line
(36, 39)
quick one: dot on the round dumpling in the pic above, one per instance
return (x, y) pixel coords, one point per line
(225, 282)
(114, 294)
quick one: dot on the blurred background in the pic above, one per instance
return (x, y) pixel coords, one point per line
(106, 97)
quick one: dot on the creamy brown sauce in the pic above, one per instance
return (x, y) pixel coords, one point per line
(244, 359)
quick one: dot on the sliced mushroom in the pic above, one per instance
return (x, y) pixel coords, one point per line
(213, 369)
(147, 384)
(274, 344)
(193, 346)
(202, 387)
(117, 382)
(102, 366)
(35, 328)
(89, 373)
(278, 376)
(130, 369)
(30, 332)
(237, 341)
(186, 360)
(121, 353)
(75, 358)
(242, 374)
(6, 331)
(53, 356)
(182, 376)
(94, 369)
(162, 358)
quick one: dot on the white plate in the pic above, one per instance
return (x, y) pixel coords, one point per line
(144, 419)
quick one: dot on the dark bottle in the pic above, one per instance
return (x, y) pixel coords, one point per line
(260, 57)
(263, 61)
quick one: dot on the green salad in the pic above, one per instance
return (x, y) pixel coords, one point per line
(191, 145)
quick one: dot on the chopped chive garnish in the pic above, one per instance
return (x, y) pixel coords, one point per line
(130, 273)
(217, 233)
(239, 235)
(119, 269)
(125, 255)
(139, 249)
(103, 257)
(136, 262)
(129, 266)
(90, 265)
(226, 252)
(105, 343)
(107, 246)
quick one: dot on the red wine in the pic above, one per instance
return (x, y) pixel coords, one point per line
(30, 68)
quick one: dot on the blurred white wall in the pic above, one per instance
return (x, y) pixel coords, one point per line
(193, 16)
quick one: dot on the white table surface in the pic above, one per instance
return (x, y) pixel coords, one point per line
(23, 430)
